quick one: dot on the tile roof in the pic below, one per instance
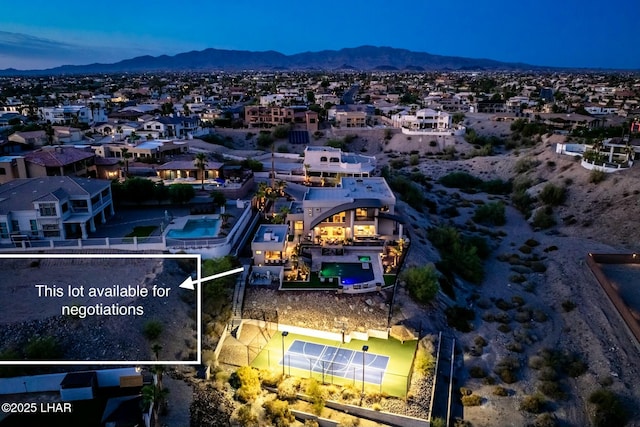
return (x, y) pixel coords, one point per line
(60, 156)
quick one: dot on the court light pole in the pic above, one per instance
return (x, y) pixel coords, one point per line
(365, 348)
(284, 334)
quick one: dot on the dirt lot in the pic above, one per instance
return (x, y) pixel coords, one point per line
(25, 314)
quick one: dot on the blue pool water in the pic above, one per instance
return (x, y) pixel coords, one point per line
(196, 229)
(350, 273)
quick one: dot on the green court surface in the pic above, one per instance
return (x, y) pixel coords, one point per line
(394, 381)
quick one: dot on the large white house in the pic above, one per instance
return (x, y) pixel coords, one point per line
(423, 120)
(73, 114)
(55, 207)
(328, 162)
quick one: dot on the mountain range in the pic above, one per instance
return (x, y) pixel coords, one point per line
(363, 58)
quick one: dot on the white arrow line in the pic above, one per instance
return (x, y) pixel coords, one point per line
(189, 282)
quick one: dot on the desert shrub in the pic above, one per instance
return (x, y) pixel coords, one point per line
(278, 412)
(507, 370)
(438, 422)
(525, 249)
(311, 423)
(349, 392)
(42, 348)
(500, 391)
(609, 409)
(425, 362)
(458, 254)
(532, 242)
(314, 391)
(540, 316)
(477, 372)
(472, 400)
(552, 194)
(568, 305)
(269, 378)
(348, 421)
(480, 341)
(517, 278)
(465, 391)
(488, 380)
(502, 317)
(490, 214)
(503, 305)
(545, 420)
(460, 318)
(525, 164)
(288, 389)
(414, 160)
(152, 329)
(534, 404)
(522, 201)
(538, 267)
(543, 219)
(515, 347)
(517, 300)
(552, 389)
(496, 186)
(246, 381)
(246, 417)
(422, 283)
(460, 180)
(504, 328)
(597, 176)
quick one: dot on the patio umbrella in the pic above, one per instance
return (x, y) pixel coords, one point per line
(403, 333)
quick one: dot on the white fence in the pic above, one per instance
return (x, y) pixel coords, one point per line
(51, 382)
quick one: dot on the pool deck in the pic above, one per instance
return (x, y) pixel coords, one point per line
(180, 222)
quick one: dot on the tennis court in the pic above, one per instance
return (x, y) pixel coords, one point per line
(336, 361)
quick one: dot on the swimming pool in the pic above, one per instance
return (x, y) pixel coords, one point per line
(196, 229)
(350, 273)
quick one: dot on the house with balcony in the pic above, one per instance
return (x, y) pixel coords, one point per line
(423, 120)
(73, 114)
(59, 161)
(256, 116)
(29, 140)
(352, 115)
(324, 163)
(55, 208)
(158, 150)
(169, 127)
(358, 211)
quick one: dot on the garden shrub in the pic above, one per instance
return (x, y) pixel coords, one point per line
(246, 381)
(422, 283)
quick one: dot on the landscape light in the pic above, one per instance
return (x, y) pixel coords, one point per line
(284, 334)
(365, 348)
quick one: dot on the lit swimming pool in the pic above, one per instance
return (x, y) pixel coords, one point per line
(350, 273)
(196, 229)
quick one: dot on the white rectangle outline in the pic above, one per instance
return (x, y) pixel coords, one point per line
(198, 360)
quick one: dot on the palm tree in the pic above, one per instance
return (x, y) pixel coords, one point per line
(48, 130)
(201, 164)
(119, 132)
(126, 155)
(261, 194)
(281, 185)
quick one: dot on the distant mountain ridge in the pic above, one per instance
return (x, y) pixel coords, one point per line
(365, 58)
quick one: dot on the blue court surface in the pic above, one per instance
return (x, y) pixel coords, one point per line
(336, 361)
(298, 137)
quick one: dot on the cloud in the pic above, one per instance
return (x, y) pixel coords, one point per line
(24, 51)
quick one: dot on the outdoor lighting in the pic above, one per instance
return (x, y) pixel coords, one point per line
(365, 348)
(284, 334)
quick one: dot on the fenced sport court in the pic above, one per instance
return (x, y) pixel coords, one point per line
(387, 362)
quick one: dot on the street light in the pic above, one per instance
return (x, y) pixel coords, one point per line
(284, 334)
(365, 348)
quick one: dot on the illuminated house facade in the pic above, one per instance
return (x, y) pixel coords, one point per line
(360, 210)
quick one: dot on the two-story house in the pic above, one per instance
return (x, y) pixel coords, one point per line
(54, 208)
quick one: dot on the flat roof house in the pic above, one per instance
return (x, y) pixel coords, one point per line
(328, 162)
(54, 208)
